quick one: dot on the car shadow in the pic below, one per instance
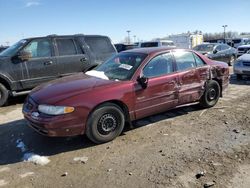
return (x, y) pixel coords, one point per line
(17, 131)
(12, 133)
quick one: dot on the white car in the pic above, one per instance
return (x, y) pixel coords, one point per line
(243, 48)
(158, 43)
(242, 65)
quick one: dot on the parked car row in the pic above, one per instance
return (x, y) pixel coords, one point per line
(33, 61)
(218, 51)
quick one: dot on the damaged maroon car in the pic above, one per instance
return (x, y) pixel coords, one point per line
(129, 86)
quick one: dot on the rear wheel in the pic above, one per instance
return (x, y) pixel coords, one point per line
(4, 94)
(211, 94)
(105, 123)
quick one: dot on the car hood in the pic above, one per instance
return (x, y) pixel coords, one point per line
(244, 57)
(60, 89)
(244, 46)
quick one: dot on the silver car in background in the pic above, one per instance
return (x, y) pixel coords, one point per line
(242, 65)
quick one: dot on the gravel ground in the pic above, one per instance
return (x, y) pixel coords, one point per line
(187, 147)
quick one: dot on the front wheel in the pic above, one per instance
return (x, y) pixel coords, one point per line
(4, 94)
(105, 123)
(211, 94)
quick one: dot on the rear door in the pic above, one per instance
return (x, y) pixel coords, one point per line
(188, 77)
(41, 67)
(161, 92)
(70, 56)
(100, 48)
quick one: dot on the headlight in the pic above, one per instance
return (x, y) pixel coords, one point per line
(55, 110)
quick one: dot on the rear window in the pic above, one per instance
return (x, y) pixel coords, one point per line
(66, 47)
(149, 44)
(99, 44)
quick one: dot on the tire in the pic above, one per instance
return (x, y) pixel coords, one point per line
(231, 60)
(211, 94)
(105, 123)
(4, 95)
(239, 76)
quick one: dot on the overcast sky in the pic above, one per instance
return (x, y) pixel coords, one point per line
(146, 19)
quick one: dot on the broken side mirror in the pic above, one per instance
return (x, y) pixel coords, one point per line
(143, 81)
(24, 55)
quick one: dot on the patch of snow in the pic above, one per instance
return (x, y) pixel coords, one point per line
(81, 159)
(97, 74)
(21, 145)
(36, 159)
(26, 174)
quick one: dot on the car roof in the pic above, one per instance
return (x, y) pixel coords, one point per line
(150, 50)
(64, 36)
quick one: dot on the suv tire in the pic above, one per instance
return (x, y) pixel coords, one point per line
(4, 94)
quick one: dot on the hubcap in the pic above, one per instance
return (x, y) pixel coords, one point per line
(107, 123)
(212, 94)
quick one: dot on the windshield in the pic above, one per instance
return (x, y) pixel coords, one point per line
(12, 50)
(120, 67)
(204, 47)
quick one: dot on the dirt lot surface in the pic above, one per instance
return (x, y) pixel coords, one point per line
(187, 147)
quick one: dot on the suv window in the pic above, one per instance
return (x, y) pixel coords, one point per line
(66, 47)
(218, 48)
(39, 48)
(99, 44)
(198, 61)
(160, 65)
(184, 60)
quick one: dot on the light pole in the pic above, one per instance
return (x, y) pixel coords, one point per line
(134, 38)
(128, 31)
(224, 26)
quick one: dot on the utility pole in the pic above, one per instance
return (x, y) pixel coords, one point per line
(128, 31)
(224, 26)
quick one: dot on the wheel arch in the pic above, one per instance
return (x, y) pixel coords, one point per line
(5, 82)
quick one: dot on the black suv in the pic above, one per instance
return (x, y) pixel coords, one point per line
(33, 61)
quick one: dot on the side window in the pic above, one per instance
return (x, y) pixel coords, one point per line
(184, 60)
(159, 65)
(39, 48)
(218, 48)
(99, 45)
(66, 47)
(199, 61)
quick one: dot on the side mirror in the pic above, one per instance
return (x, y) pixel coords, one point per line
(215, 51)
(143, 81)
(24, 55)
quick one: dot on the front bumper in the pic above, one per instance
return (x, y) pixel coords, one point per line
(243, 70)
(53, 126)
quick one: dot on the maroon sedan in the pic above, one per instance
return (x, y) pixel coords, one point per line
(131, 85)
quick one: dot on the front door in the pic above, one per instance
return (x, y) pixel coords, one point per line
(161, 92)
(41, 67)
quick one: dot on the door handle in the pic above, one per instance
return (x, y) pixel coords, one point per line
(83, 59)
(48, 62)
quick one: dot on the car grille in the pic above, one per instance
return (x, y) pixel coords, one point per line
(246, 63)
